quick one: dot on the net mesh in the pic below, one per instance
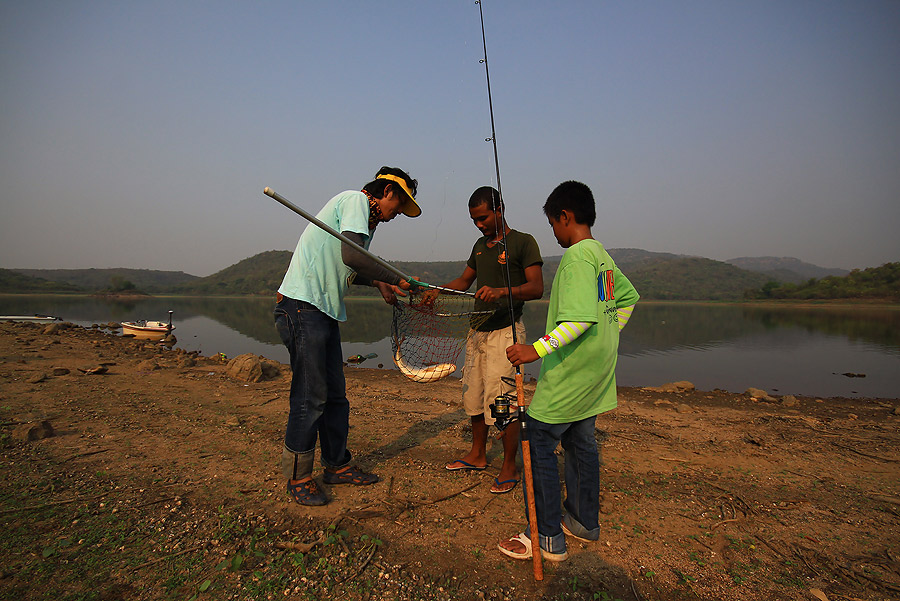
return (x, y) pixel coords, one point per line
(429, 330)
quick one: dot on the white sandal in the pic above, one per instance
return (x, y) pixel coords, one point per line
(526, 542)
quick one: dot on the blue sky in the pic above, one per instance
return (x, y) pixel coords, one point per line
(142, 134)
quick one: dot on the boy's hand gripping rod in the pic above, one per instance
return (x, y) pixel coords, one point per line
(312, 219)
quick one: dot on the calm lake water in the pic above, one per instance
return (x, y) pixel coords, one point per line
(785, 350)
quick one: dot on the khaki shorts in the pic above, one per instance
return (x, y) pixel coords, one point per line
(486, 363)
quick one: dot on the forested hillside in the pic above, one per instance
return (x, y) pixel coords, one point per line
(259, 274)
(15, 282)
(872, 283)
(693, 279)
(660, 276)
(656, 276)
(117, 278)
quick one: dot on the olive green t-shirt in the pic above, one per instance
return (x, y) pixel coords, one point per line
(579, 380)
(489, 263)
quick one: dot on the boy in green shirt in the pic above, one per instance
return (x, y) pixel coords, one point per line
(589, 304)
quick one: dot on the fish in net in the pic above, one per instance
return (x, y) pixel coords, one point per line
(429, 329)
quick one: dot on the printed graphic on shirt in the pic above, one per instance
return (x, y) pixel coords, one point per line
(612, 314)
(606, 285)
(501, 258)
(551, 341)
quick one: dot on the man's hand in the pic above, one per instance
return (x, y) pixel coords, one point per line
(429, 296)
(490, 295)
(521, 353)
(390, 292)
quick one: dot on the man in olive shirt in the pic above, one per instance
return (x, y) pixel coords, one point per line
(486, 361)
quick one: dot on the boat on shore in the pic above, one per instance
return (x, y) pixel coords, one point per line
(31, 318)
(151, 330)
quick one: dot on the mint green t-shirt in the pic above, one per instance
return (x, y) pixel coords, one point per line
(579, 380)
(317, 273)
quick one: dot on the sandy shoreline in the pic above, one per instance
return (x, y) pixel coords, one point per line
(706, 494)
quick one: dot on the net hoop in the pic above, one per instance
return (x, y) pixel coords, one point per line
(429, 329)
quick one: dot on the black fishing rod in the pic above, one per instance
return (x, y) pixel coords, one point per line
(493, 140)
(520, 390)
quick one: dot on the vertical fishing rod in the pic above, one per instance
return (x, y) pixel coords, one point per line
(520, 390)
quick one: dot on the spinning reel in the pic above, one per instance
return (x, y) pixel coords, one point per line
(504, 409)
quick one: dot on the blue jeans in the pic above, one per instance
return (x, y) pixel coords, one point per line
(319, 409)
(582, 477)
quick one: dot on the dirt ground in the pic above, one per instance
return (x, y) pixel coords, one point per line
(161, 481)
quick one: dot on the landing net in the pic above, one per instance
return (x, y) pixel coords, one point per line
(429, 330)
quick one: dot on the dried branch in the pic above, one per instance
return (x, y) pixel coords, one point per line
(300, 547)
(150, 563)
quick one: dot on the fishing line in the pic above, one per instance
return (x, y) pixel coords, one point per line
(520, 392)
(493, 140)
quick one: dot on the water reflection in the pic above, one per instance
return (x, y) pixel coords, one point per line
(801, 350)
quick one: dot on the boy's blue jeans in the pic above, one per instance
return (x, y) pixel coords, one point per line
(582, 478)
(318, 400)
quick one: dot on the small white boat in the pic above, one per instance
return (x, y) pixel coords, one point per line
(153, 330)
(31, 318)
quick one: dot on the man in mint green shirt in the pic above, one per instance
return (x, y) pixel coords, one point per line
(310, 306)
(589, 304)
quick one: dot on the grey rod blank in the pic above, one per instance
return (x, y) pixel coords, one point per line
(270, 192)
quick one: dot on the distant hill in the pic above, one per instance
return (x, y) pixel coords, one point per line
(656, 275)
(12, 281)
(93, 280)
(259, 274)
(693, 278)
(634, 258)
(785, 269)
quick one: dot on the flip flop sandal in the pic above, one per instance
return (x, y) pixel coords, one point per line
(306, 493)
(465, 466)
(526, 542)
(498, 489)
(351, 475)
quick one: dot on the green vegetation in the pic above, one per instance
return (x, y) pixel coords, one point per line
(881, 283)
(14, 281)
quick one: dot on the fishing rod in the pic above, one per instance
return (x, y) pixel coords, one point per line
(317, 222)
(520, 388)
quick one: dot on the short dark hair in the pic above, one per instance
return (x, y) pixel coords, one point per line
(376, 187)
(574, 197)
(486, 195)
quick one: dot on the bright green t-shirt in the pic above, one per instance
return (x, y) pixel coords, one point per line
(579, 380)
(317, 273)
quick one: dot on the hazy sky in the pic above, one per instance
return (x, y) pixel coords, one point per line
(141, 134)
